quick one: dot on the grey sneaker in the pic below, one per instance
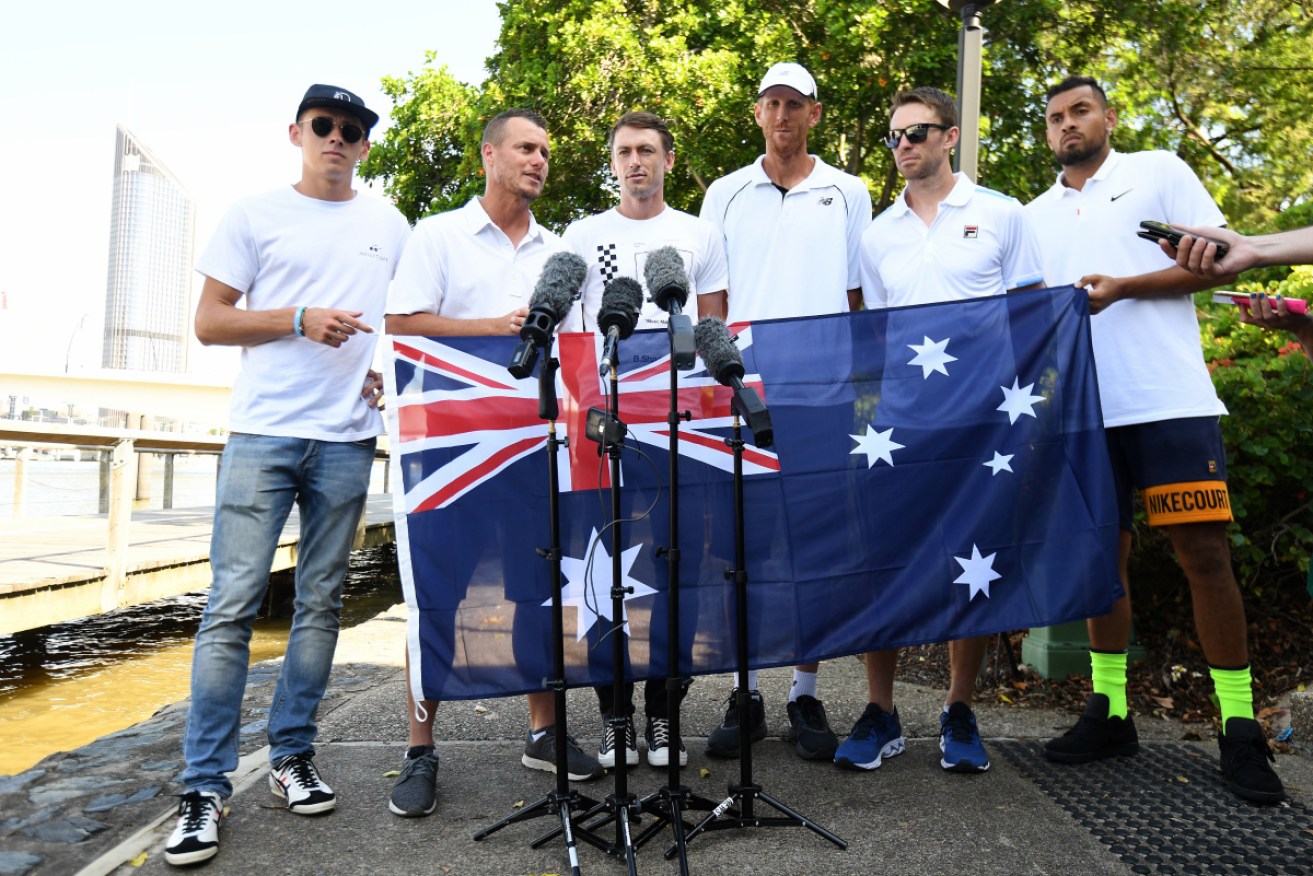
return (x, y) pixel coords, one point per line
(541, 755)
(724, 740)
(415, 793)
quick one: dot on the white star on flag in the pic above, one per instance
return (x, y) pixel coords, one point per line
(1018, 400)
(876, 445)
(932, 356)
(977, 572)
(999, 462)
(594, 599)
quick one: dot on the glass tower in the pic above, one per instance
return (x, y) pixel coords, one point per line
(148, 296)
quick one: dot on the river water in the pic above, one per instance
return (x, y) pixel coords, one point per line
(65, 685)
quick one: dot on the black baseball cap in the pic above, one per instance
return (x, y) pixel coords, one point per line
(332, 97)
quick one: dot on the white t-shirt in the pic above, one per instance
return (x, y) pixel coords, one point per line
(460, 265)
(793, 254)
(1151, 366)
(615, 246)
(980, 243)
(283, 249)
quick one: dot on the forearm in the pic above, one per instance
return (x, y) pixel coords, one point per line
(1168, 283)
(223, 323)
(430, 325)
(1287, 248)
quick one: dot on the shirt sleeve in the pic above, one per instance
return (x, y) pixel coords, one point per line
(231, 257)
(874, 295)
(1185, 200)
(1023, 263)
(712, 271)
(574, 320)
(420, 283)
(859, 217)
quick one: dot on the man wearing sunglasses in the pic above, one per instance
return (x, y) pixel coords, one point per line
(792, 225)
(472, 271)
(313, 261)
(944, 239)
(1160, 411)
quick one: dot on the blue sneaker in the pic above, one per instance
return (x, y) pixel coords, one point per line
(876, 735)
(959, 740)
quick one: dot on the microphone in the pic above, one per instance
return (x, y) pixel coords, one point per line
(557, 287)
(621, 300)
(668, 285)
(725, 364)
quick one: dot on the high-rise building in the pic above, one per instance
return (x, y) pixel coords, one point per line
(151, 231)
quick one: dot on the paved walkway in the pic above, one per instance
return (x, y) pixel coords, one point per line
(104, 809)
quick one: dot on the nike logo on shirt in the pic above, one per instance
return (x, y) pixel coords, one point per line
(1127, 192)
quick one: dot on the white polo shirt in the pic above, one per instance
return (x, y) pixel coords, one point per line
(793, 254)
(1151, 364)
(614, 246)
(460, 265)
(980, 243)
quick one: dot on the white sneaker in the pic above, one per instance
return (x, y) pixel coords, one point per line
(296, 780)
(606, 751)
(196, 838)
(658, 743)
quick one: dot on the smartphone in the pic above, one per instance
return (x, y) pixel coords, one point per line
(1156, 231)
(1294, 305)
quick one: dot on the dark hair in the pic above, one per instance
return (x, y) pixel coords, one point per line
(932, 98)
(1076, 82)
(492, 132)
(645, 121)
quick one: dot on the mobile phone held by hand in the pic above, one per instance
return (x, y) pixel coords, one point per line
(1156, 231)
(1293, 305)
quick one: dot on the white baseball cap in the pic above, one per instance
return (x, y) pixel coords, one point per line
(794, 76)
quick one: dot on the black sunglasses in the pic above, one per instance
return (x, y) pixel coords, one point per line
(323, 126)
(914, 134)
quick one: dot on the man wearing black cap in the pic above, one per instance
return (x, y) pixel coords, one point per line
(792, 226)
(313, 261)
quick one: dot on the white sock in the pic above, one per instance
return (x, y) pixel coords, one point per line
(752, 680)
(535, 735)
(804, 685)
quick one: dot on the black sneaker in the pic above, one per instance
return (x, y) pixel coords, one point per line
(606, 751)
(724, 740)
(809, 730)
(1095, 736)
(541, 755)
(658, 743)
(415, 793)
(296, 779)
(1247, 762)
(196, 836)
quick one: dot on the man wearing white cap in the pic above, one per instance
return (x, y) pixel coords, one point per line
(792, 226)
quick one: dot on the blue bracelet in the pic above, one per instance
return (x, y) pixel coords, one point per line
(300, 322)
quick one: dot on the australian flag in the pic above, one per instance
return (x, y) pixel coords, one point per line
(938, 471)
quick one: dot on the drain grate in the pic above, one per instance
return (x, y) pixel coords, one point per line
(1168, 811)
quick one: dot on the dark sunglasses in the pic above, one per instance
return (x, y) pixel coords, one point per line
(914, 134)
(323, 126)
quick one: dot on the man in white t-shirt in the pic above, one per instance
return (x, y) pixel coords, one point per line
(1160, 411)
(792, 226)
(614, 244)
(471, 271)
(944, 239)
(313, 261)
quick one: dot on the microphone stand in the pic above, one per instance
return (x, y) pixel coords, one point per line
(668, 804)
(563, 800)
(742, 796)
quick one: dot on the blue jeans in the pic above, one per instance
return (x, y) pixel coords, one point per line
(260, 478)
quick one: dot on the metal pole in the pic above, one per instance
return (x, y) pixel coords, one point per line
(969, 52)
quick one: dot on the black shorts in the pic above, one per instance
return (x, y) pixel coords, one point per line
(1180, 465)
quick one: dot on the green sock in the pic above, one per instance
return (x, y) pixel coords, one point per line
(1108, 672)
(1235, 692)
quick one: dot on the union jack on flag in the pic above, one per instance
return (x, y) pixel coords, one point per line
(938, 472)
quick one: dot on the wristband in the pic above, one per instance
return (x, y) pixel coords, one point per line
(299, 325)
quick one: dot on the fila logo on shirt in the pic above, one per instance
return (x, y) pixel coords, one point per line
(971, 232)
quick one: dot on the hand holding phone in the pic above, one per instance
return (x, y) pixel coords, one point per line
(1156, 231)
(1293, 305)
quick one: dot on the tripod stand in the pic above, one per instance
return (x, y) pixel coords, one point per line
(737, 810)
(562, 801)
(669, 803)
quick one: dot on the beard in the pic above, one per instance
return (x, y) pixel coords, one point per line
(1081, 152)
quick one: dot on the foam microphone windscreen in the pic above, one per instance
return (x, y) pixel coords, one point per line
(621, 300)
(563, 274)
(666, 278)
(716, 347)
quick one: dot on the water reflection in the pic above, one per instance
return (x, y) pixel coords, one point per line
(65, 685)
